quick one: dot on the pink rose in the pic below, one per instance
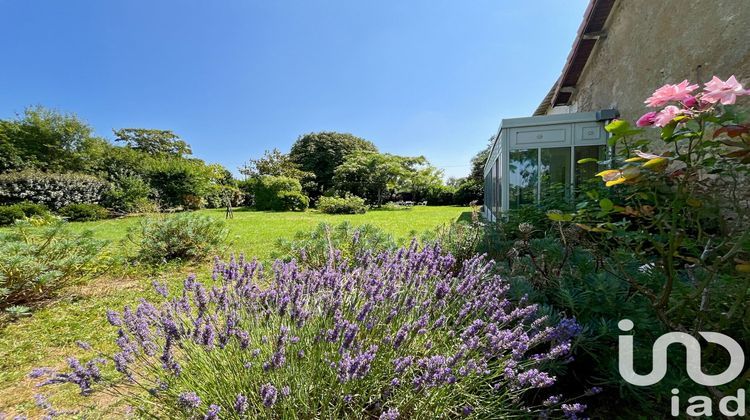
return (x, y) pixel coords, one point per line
(646, 120)
(668, 93)
(724, 92)
(666, 115)
(690, 101)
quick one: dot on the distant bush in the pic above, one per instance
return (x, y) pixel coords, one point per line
(11, 213)
(36, 263)
(185, 237)
(391, 206)
(179, 182)
(279, 193)
(127, 194)
(219, 194)
(316, 247)
(83, 212)
(294, 201)
(467, 192)
(441, 195)
(53, 190)
(342, 205)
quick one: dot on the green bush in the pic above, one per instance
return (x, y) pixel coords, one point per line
(316, 247)
(278, 193)
(9, 214)
(179, 182)
(294, 201)
(441, 195)
(391, 206)
(83, 212)
(36, 263)
(467, 192)
(127, 194)
(184, 237)
(218, 195)
(342, 205)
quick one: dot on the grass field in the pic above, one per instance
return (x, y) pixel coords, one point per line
(47, 337)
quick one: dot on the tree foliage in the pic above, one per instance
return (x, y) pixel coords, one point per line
(153, 142)
(320, 153)
(275, 163)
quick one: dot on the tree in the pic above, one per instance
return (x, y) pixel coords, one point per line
(153, 142)
(320, 153)
(477, 163)
(275, 163)
(371, 175)
(45, 139)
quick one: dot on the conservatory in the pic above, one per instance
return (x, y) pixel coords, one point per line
(535, 158)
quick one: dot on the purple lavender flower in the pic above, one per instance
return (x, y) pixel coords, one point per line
(390, 414)
(286, 391)
(212, 413)
(268, 394)
(593, 391)
(572, 411)
(114, 318)
(160, 288)
(188, 400)
(535, 378)
(240, 404)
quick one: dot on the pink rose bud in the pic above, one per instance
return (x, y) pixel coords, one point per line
(690, 102)
(646, 120)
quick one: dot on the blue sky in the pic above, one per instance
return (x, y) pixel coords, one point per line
(234, 78)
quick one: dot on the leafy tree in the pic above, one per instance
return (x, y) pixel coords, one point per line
(372, 175)
(320, 153)
(275, 163)
(45, 139)
(477, 163)
(153, 142)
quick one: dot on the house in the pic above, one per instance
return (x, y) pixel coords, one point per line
(624, 49)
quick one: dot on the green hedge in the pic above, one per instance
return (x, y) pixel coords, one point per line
(53, 190)
(342, 205)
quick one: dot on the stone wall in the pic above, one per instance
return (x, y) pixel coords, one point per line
(653, 42)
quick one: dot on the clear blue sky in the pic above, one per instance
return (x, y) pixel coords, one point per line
(234, 78)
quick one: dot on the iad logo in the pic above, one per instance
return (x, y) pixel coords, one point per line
(700, 405)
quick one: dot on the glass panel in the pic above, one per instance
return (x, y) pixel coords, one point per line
(488, 191)
(498, 184)
(555, 174)
(585, 172)
(523, 167)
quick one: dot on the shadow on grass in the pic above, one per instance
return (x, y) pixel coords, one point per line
(464, 217)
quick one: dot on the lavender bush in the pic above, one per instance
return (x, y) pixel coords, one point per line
(395, 335)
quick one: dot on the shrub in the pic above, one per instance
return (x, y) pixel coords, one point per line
(469, 191)
(316, 247)
(391, 206)
(342, 205)
(394, 335)
(179, 181)
(185, 237)
(219, 194)
(277, 193)
(441, 195)
(83, 212)
(9, 214)
(36, 263)
(52, 190)
(127, 194)
(293, 200)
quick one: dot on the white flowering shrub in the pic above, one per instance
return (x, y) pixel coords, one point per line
(51, 189)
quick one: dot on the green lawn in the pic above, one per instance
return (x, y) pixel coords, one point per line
(47, 337)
